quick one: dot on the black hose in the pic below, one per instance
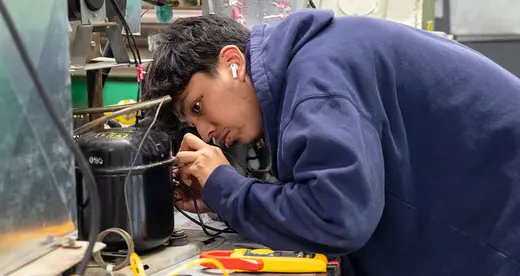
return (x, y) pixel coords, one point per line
(64, 134)
(126, 27)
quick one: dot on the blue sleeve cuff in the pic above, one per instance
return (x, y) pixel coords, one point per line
(220, 186)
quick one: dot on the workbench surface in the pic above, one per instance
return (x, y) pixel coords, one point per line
(200, 271)
(229, 241)
(164, 260)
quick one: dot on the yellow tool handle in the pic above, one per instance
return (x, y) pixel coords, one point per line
(284, 261)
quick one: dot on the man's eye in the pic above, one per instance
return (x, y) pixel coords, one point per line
(195, 108)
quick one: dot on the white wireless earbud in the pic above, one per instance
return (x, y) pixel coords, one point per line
(234, 70)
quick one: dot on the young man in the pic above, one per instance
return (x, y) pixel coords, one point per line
(394, 146)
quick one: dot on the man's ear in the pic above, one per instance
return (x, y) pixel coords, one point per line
(230, 55)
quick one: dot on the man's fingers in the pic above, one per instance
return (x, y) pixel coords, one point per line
(186, 157)
(175, 173)
(186, 205)
(185, 177)
(188, 176)
(191, 142)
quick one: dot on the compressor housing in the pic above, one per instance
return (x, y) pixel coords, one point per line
(149, 191)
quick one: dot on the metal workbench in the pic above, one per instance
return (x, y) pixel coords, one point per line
(164, 260)
(226, 242)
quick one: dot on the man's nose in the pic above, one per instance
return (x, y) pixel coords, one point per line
(205, 130)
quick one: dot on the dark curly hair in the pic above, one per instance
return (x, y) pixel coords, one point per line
(183, 48)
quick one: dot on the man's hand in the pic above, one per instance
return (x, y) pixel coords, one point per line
(198, 160)
(186, 198)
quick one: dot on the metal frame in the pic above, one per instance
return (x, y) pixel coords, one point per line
(82, 42)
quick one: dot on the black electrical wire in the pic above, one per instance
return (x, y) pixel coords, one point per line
(148, 9)
(138, 98)
(204, 227)
(200, 222)
(131, 35)
(126, 27)
(311, 3)
(65, 135)
(244, 168)
(107, 52)
(134, 54)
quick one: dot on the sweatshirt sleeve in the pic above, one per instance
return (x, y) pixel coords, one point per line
(334, 198)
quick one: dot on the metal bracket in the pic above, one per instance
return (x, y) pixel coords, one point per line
(71, 244)
(117, 43)
(82, 43)
(81, 46)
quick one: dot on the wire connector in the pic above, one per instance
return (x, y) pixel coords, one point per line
(140, 72)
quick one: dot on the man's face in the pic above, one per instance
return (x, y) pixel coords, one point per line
(222, 107)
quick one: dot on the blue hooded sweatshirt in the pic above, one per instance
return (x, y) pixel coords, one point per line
(392, 145)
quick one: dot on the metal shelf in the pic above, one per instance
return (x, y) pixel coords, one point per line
(102, 63)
